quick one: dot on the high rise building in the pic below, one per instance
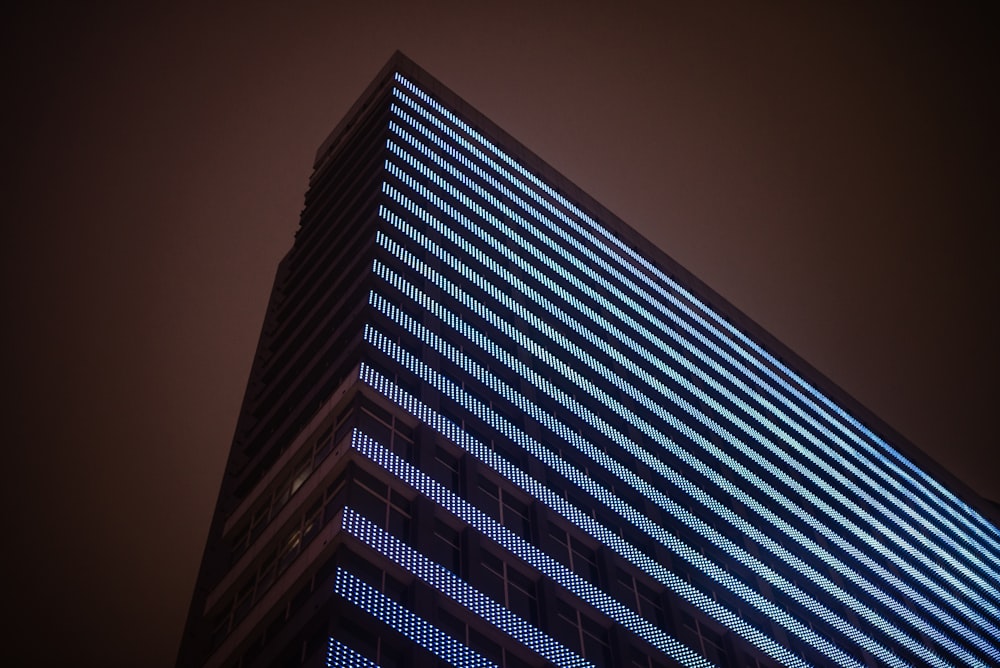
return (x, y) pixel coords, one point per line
(489, 424)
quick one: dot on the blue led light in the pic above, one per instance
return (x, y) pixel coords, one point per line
(879, 527)
(650, 492)
(600, 342)
(754, 355)
(837, 539)
(538, 491)
(339, 655)
(674, 295)
(524, 550)
(423, 633)
(459, 591)
(432, 307)
(922, 566)
(830, 473)
(593, 276)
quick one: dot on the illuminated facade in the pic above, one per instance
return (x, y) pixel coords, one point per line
(489, 424)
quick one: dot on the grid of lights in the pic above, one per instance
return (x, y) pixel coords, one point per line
(769, 491)
(560, 249)
(643, 487)
(653, 406)
(458, 590)
(637, 518)
(340, 655)
(873, 541)
(831, 474)
(603, 343)
(525, 551)
(417, 629)
(730, 337)
(538, 491)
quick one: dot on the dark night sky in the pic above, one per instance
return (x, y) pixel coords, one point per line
(831, 172)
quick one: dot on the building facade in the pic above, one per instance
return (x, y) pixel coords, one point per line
(488, 424)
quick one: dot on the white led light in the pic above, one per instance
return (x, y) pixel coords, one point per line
(458, 590)
(524, 550)
(600, 342)
(558, 249)
(965, 513)
(795, 510)
(649, 491)
(586, 523)
(339, 655)
(420, 631)
(930, 488)
(630, 514)
(829, 473)
(879, 527)
(921, 566)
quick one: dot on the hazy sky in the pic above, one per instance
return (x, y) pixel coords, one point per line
(831, 172)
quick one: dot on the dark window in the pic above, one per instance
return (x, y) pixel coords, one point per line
(644, 600)
(445, 547)
(359, 638)
(639, 659)
(581, 559)
(507, 585)
(469, 636)
(704, 639)
(485, 646)
(505, 508)
(444, 469)
(385, 428)
(582, 634)
(386, 507)
(596, 643)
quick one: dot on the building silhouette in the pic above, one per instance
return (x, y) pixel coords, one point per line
(489, 424)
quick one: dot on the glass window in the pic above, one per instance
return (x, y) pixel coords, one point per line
(703, 638)
(581, 559)
(506, 508)
(313, 521)
(584, 561)
(398, 520)
(582, 634)
(386, 507)
(324, 444)
(596, 642)
(445, 546)
(301, 474)
(509, 586)
(641, 598)
(444, 469)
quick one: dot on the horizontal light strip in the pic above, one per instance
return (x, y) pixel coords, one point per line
(599, 492)
(728, 487)
(880, 509)
(423, 633)
(656, 407)
(458, 590)
(967, 514)
(588, 271)
(584, 522)
(531, 555)
(649, 491)
(601, 341)
(504, 326)
(340, 655)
